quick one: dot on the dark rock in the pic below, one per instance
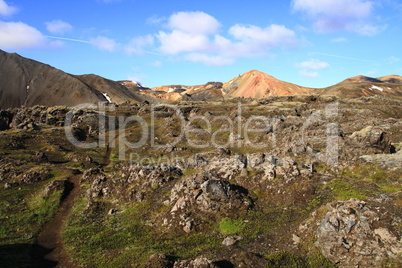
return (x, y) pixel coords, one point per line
(5, 120)
(160, 261)
(35, 176)
(41, 157)
(216, 190)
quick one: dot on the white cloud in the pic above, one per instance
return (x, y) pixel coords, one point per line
(312, 64)
(155, 20)
(335, 15)
(194, 36)
(58, 27)
(177, 41)
(333, 8)
(6, 10)
(215, 60)
(104, 43)
(309, 68)
(137, 45)
(19, 35)
(266, 38)
(308, 74)
(193, 23)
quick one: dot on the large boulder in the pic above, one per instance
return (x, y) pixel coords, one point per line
(202, 195)
(369, 140)
(356, 234)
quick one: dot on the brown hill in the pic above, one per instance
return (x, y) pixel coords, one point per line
(25, 82)
(256, 84)
(394, 79)
(359, 86)
(360, 79)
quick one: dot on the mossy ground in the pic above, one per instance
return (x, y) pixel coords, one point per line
(130, 236)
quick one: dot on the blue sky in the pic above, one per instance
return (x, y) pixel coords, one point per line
(158, 42)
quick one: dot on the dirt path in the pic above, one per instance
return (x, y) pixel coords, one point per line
(49, 249)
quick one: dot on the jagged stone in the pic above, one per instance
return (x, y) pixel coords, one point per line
(354, 234)
(200, 262)
(231, 240)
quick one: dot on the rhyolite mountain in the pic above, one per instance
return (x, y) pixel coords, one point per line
(256, 84)
(25, 82)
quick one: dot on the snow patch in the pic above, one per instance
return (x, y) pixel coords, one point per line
(171, 90)
(107, 97)
(375, 87)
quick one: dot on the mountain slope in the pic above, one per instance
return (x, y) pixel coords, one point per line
(359, 86)
(114, 90)
(256, 84)
(25, 82)
(395, 79)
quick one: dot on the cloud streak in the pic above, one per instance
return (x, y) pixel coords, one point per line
(342, 57)
(68, 39)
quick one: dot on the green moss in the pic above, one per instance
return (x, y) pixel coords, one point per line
(126, 238)
(228, 226)
(285, 259)
(345, 190)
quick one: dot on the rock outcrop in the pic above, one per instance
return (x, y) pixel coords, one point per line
(355, 233)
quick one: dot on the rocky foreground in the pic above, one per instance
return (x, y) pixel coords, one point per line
(296, 181)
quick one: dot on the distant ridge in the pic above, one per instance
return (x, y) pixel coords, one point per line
(361, 79)
(25, 82)
(394, 79)
(256, 84)
(359, 86)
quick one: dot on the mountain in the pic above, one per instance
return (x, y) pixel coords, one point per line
(252, 84)
(360, 79)
(256, 84)
(395, 79)
(359, 86)
(25, 82)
